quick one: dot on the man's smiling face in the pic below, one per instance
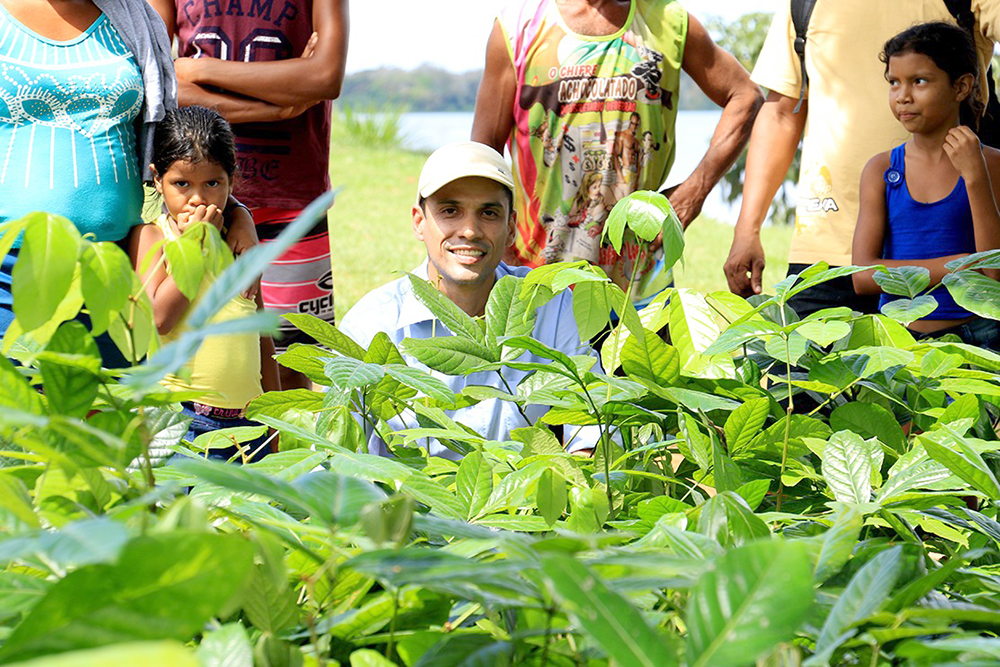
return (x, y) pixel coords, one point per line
(466, 226)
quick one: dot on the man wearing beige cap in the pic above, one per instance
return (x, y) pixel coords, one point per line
(464, 215)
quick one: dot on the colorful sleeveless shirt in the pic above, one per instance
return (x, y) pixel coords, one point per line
(594, 121)
(284, 164)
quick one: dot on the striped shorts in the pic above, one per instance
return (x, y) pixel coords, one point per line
(301, 280)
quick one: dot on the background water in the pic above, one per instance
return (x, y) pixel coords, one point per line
(429, 131)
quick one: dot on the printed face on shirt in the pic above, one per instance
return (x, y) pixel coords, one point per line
(466, 226)
(921, 94)
(187, 185)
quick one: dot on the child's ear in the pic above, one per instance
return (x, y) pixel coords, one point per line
(964, 86)
(157, 179)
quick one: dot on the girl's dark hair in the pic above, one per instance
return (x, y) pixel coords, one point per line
(952, 49)
(193, 134)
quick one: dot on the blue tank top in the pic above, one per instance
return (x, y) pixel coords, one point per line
(917, 230)
(67, 142)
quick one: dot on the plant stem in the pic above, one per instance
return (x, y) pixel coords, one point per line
(392, 625)
(788, 410)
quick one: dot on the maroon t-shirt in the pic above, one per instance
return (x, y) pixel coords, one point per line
(284, 164)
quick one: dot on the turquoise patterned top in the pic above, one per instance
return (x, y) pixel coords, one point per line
(67, 140)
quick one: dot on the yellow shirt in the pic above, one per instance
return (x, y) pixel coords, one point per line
(849, 119)
(226, 367)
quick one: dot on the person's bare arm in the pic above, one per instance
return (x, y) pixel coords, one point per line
(721, 77)
(869, 234)
(169, 304)
(284, 83)
(775, 137)
(268, 366)
(494, 116)
(980, 169)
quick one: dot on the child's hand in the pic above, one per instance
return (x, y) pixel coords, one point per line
(965, 152)
(211, 214)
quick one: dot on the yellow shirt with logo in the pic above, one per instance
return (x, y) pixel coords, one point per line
(849, 119)
(226, 368)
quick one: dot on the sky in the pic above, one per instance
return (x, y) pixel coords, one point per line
(452, 33)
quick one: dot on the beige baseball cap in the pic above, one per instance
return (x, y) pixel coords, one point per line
(460, 160)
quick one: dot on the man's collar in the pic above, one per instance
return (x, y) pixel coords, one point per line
(412, 311)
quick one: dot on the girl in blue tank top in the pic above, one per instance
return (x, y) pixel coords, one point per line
(934, 198)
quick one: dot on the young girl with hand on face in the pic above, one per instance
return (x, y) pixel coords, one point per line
(194, 160)
(934, 198)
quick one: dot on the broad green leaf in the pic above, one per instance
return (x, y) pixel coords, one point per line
(104, 280)
(837, 543)
(269, 603)
(937, 362)
(651, 359)
(277, 403)
(423, 382)
(910, 310)
(166, 586)
(952, 451)
(754, 492)
(988, 259)
(15, 392)
(824, 333)
(879, 330)
(745, 423)
(867, 361)
(186, 264)
(646, 214)
(588, 509)
(14, 498)
(847, 467)
(694, 445)
(347, 374)
(240, 275)
(19, 593)
(692, 323)
(326, 334)
(467, 651)
(787, 352)
(741, 334)
(309, 360)
(227, 646)
(147, 654)
(908, 281)
(542, 350)
(963, 407)
(606, 617)
(765, 580)
(815, 275)
(366, 657)
(445, 310)
(974, 292)
(506, 313)
(592, 307)
(69, 375)
(869, 420)
(81, 543)
(914, 470)
(44, 268)
(864, 595)
(474, 483)
(728, 519)
(694, 400)
(450, 355)
(551, 496)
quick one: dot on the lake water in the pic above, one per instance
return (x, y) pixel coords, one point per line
(429, 131)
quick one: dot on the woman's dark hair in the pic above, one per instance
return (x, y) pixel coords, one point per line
(193, 134)
(952, 49)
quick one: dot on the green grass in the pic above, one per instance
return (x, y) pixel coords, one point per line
(372, 237)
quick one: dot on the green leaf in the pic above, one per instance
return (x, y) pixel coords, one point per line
(913, 470)
(754, 492)
(551, 496)
(650, 359)
(450, 355)
(824, 333)
(326, 334)
(186, 264)
(847, 467)
(542, 350)
(309, 360)
(728, 519)
(698, 446)
(606, 617)
(474, 483)
(766, 580)
(796, 347)
(938, 362)
(147, 654)
(592, 307)
(347, 374)
(741, 334)
(909, 310)
(366, 657)
(44, 268)
(165, 586)
(867, 361)
(269, 603)
(864, 595)
(692, 326)
(506, 313)
(228, 646)
(694, 400)
(838, 542)
(974, 292)
(908, 281)
(20, 592)
(952, 451)
(69, 372)
(444, 309)
(105, 278)
(423, 382)
(745, 423)
(277, 403)
(869, 420)
(15, 392)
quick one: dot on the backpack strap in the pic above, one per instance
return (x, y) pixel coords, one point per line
(801, 12)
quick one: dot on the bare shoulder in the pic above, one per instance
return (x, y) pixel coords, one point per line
(992, 156)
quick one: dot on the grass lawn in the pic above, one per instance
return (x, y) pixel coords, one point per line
(372, 239)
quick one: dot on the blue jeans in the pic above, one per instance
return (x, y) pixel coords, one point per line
(255, 450)
(980, 332)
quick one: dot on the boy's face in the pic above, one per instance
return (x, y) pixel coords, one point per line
(466, 226)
